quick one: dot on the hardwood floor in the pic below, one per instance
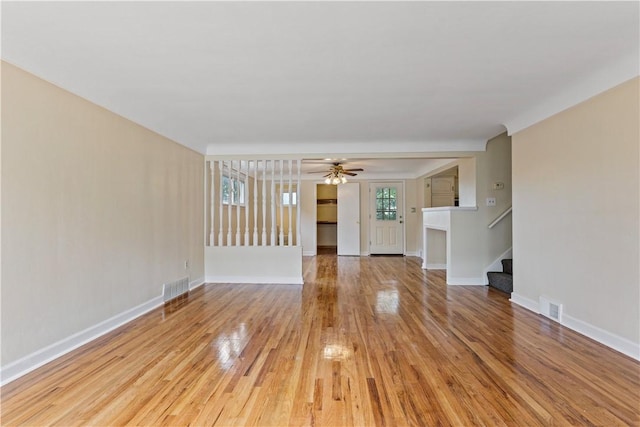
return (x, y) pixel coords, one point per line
(366, 341)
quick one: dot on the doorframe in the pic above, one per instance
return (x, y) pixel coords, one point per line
(404, 209)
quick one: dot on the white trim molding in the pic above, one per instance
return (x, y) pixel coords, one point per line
(196, 283)
(525, 302)
(465, 281)
(435, 266)
(607, 338)
(32, 361)
(613, 341)
(261, 280)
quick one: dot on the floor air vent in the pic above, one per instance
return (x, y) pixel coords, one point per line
(175, 289)
(551, 309)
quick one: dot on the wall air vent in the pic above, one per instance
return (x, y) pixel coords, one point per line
(175, 289)
(551, 309)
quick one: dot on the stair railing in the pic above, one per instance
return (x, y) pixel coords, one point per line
(501, 217)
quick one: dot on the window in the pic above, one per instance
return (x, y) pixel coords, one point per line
(386, 204)
(285, 199)
(233, 191)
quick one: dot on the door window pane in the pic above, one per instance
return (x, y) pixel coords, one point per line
(386, 206)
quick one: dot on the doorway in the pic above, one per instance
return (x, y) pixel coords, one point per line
(386, 224)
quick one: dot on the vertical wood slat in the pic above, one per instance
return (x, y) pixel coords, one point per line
(237, 183)
(264, 203)
(298, 189)
(220, 211)
(212, 195)
(281, 222)
(255, 203)
(229, 235)
(271, 231)
(290, 235)
(246, 204)
(273, 206)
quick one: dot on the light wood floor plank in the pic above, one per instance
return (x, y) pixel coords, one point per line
(366, 341)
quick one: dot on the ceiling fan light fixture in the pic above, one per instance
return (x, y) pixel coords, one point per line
(338, 175)
(335, 178)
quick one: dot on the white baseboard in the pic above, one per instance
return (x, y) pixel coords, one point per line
(613, 341)
(196, 283)
(309, 253)
(436, 266)
(22, 366)
(607, 338)
(525, 302)
(465, 281)
(412, 254)
(364, 254)
(262, 280)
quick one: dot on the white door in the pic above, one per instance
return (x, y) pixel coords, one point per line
(349, 219)
(386, 223)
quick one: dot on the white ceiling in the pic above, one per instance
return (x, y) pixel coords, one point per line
(327, 77)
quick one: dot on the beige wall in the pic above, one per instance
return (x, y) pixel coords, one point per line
(576, 212)
(98, 213)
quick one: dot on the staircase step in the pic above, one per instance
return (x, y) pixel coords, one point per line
(507, 266)
(501, 281)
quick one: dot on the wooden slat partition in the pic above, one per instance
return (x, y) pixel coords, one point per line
(253, 211)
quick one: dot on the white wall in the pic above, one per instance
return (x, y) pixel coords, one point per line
(97, 213)
(576, 192)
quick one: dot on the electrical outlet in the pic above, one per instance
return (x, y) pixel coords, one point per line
(498, 185)
(491, 201)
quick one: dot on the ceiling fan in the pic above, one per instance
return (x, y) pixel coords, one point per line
(337, 174)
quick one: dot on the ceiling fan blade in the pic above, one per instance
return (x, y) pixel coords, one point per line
(327, 175)
(349, 173)
(322, 171)
(354, 170)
